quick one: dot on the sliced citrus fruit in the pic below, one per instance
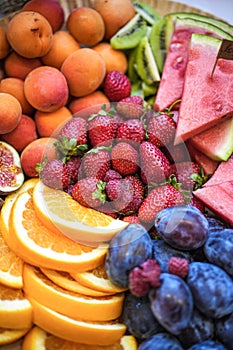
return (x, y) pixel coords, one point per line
(8, 336)
(97, 279)
(39, 339)
(61, 213)
(74, 305)
(11, 266)
(66, 281)
(95, 333)
(39, 246)
(15, 309)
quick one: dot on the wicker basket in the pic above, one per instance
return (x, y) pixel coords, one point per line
(162, 7)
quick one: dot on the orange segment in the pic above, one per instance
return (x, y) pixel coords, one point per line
(66, 281)
(39, 246)
(8, 336)
(15, 309)
(97, 279)
(74, 305)
(95, 333)
(61, 213)
(11, 266)
(38, 339)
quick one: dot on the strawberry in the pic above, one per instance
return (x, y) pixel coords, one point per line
(125, 159)
(72, 138)
(73, 167)
(112, 175)
(131, 219)
(96, 162)
(188, 174)
(89, 192)
(131, 131)
(102, 129)
(159, 198)
(54, 173)
(155, 167)
(130, 107)
(161, 130)
(113, 189)
(130, 194)
(195, 202)
(116, 86)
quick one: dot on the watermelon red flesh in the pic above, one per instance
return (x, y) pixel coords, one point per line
(207, 164)
(224, 173)
(172, 80)
(219, 199)
(205, 100)
(217, 141)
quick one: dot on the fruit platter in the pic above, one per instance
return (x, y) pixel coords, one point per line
(116, 177)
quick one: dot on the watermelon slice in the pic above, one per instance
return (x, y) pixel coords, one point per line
(207, 164)
(172, 80)
(217, 192)
(219, 199)
(224, 173)
(217, 141)
(205, 100)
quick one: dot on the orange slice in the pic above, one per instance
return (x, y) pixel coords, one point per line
(66, 281)
(39, 339)
(74, 305)
(8, 336)
(97, 279)
(11, 266)
(61, 213)
(93, 333)
(39, 246)
(15, 309)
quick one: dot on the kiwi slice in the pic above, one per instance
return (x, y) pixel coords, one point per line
(159, 39)
(131, 72)
(145, 65)
(146, 11)
(149, 90)
(130, 35)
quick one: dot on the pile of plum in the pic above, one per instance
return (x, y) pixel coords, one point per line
(194, 312)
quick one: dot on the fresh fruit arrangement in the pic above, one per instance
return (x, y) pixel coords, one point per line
(116, 178)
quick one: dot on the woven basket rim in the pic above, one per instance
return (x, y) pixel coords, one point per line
(162, 6)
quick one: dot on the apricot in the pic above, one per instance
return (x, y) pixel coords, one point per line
(50, 9)
(48, 123)
(36, 152)
(27, 128)
(46, 89)
(86, 25)
(115, 13)
(18, 66)
(114, 59)
(88, 104)
(29, 34)
(4, 44)
(63, 45)
(10, 113)
(84, 71)
(15, 87)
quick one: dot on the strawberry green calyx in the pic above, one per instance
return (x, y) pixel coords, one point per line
(100, 193)
(69, 147)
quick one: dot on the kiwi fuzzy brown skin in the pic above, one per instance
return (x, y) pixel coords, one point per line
(115, 13)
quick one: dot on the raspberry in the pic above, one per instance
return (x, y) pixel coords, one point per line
(151, 271)
(137, 285)
(116, 86)
(178, 266)
(143, 277)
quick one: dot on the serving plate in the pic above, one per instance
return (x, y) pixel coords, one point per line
(163, 7)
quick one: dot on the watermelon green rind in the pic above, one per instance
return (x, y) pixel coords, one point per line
(217, 141)
(196, 16)
(172, 80)
(205, 99)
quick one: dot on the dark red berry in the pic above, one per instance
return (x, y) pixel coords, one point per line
(178, 266)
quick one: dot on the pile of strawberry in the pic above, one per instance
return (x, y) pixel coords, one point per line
(121, 160)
